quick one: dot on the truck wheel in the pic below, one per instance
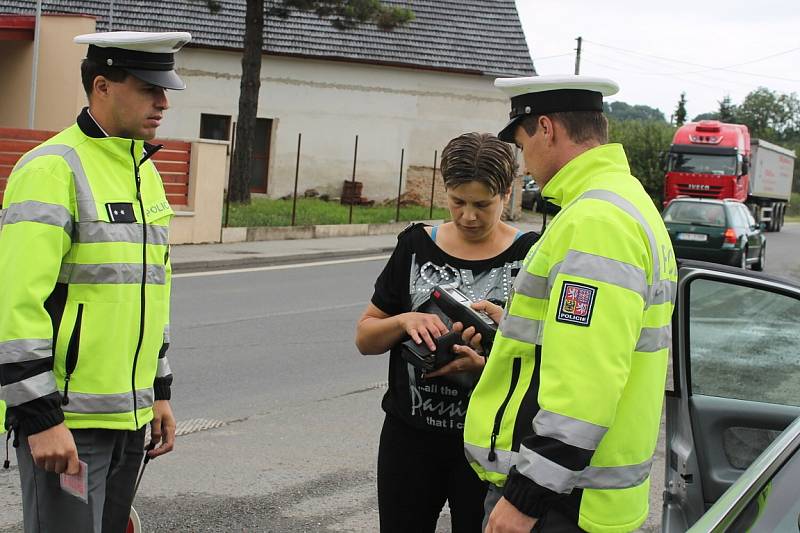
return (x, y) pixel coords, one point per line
(779, 218)
(762, 258)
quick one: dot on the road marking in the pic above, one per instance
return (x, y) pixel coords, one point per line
(275, 314)
(281, 267)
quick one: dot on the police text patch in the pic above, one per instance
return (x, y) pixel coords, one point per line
(576, 303)
(120, 213)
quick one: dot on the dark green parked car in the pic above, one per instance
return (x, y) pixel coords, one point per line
(718, 231)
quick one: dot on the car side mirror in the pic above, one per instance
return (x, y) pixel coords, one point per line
(745, 166)
(762, 226)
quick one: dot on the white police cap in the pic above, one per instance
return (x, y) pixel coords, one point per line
(540, 95)
(148, 56)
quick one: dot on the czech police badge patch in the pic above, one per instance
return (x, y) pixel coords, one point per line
(576, 303)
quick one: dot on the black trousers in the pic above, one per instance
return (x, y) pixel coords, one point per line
(417, 472)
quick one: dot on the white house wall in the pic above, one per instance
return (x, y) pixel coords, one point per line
(330, 102)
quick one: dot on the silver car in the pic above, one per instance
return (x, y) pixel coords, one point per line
(732, 433)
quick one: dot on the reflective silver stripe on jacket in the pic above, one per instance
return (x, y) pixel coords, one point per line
(87, 404)
(521, 329)
(99, 231)
(111, 273)
(29, 389)
(163, 368)
(87, 210)
(477, 454)
(21, 350)
(628, 207)
(654, 339)
(557, 478)
(41, 212)
(664, 291)
(605, 270)
(531, 285)
(568, 430)
(166, 334)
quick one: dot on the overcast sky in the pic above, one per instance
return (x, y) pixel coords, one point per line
(656, 52)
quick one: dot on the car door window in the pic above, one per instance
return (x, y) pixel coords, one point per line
(743, 343)
(737, 220)
(744, 215)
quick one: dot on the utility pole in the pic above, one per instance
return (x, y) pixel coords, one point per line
(578, 56)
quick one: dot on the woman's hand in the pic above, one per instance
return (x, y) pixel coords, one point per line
(467, 354)
(423, 327)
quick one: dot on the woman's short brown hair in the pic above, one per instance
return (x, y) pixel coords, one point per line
(480, 157)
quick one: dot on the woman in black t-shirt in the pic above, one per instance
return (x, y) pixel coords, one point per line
(421, 461)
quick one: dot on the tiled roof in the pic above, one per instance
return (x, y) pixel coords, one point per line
(477, 36)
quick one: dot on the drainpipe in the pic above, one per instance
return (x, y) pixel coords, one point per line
(36, 37)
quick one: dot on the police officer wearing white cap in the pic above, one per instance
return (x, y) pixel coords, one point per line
(84, 327)
(564, 421)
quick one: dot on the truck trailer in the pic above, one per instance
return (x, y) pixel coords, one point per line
(712, 159)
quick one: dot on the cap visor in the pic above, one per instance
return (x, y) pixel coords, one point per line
(167, 79)
(510, 129)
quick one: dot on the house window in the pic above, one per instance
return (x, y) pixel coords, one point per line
(217, 127)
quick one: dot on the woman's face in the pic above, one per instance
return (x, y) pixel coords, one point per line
(474, 209)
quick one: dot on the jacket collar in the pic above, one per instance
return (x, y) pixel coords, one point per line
(577, 176)
(91, 128)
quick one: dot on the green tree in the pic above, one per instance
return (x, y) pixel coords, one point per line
(706, 116)
(727, 110)
(624, 111)
(644, 142)
(342, 14)
(680, 111)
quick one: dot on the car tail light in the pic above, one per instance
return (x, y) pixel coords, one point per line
(730, 236)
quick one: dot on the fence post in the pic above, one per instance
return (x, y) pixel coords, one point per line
(353, 180)
(400, 185)
(296, 176)
(433, 182)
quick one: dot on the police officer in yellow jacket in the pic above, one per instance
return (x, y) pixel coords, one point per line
(565, 418)
(84, 292)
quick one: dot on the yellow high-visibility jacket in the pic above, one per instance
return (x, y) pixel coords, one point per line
(84, 284)
(567, 411)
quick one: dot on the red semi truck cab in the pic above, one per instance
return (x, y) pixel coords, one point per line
(706, 160)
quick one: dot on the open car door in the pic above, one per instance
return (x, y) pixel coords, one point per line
(736, 373)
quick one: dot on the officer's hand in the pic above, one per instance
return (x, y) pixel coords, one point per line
(423, 327)
(506, 518)
(54, 450)
(495, 312)
(162, 429)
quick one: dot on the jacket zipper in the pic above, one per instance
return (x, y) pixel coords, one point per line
(143, 284)
(498, 418)
(72, 354)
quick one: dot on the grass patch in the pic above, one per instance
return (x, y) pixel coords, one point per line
(311, 211)
(793, 211)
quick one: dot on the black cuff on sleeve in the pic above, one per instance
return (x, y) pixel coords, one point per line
(37, 415)
(162, 388)
(528, 497)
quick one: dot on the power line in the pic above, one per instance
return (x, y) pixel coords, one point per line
(704, 67)
(552, 57)
(672, 75)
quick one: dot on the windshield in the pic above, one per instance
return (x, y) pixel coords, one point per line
(695, 213)
(703, 163)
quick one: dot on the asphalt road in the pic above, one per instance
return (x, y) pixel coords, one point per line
(280, 415)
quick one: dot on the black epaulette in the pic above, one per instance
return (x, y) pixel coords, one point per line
(408, 228)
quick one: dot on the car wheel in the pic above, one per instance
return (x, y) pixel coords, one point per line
(762, 258)
(743, 259)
